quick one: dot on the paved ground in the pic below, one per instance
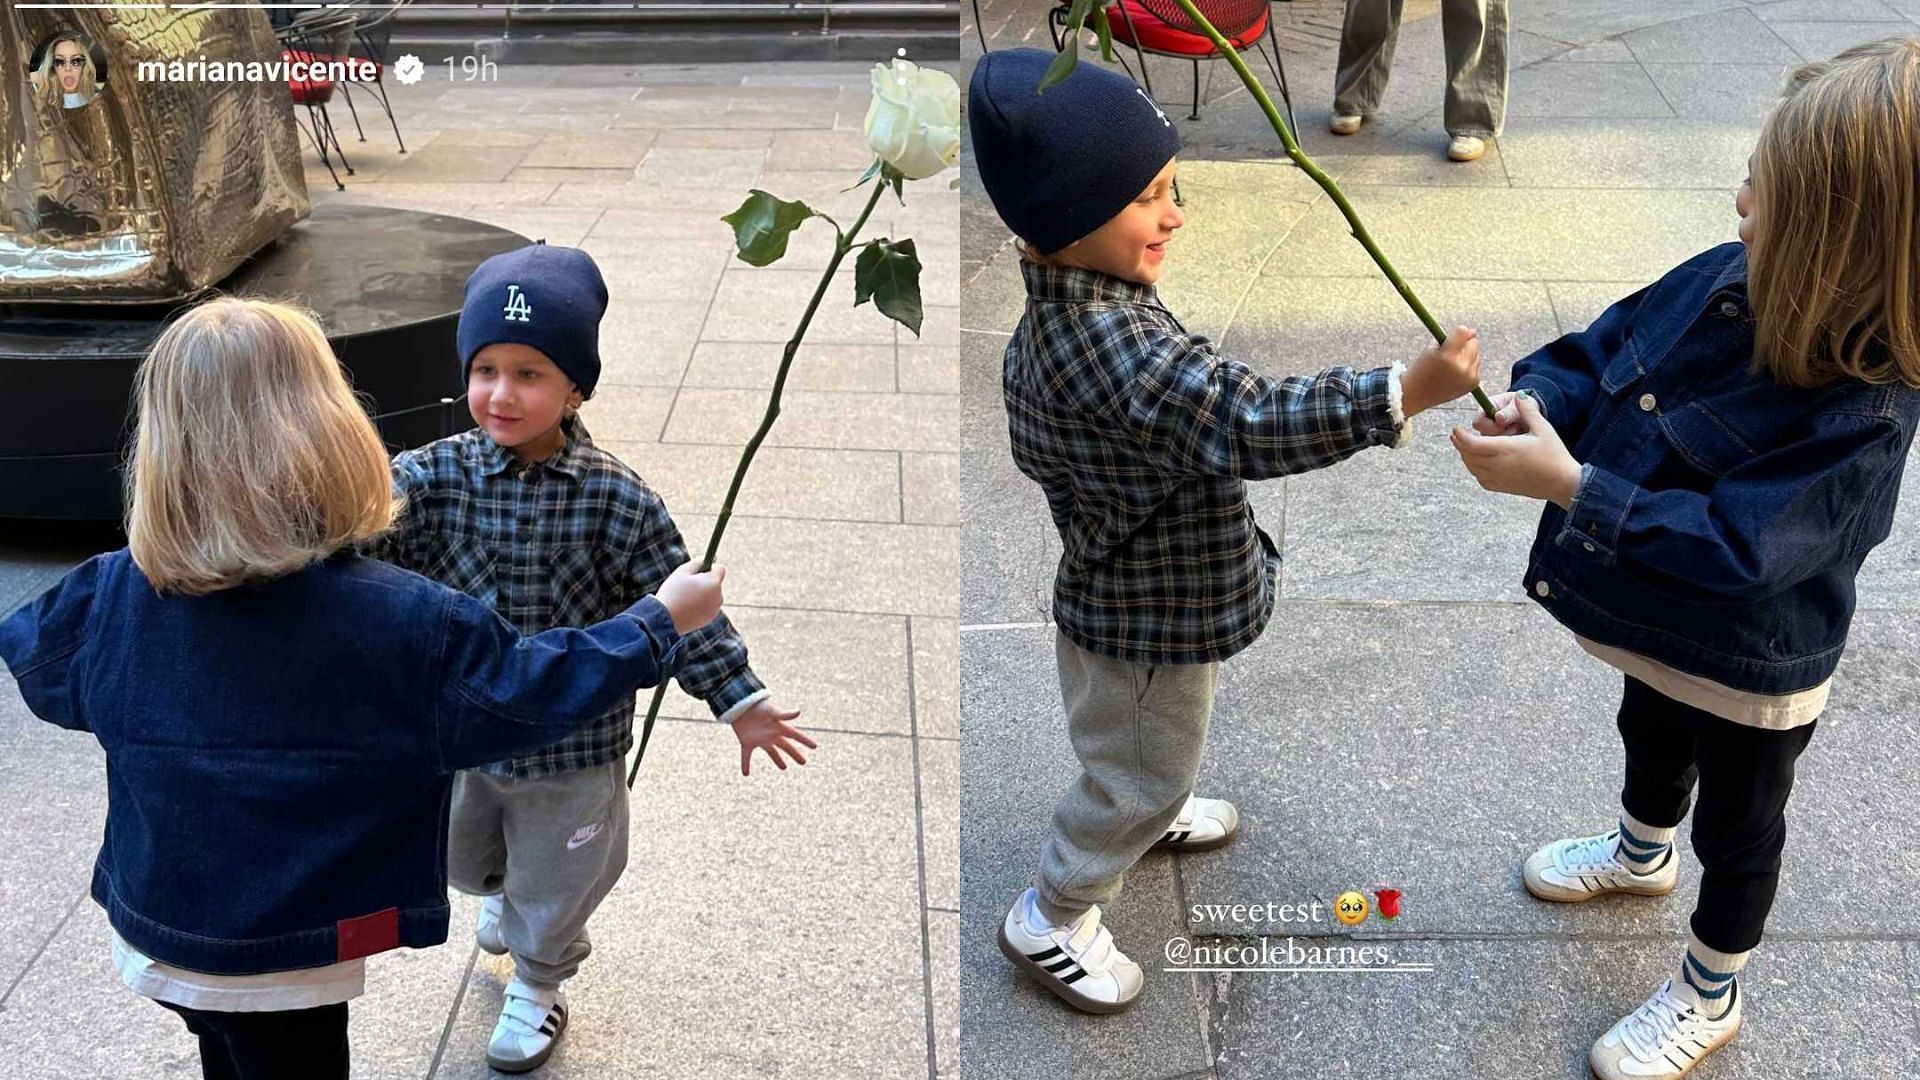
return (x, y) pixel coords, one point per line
(1410, 720)
(799, 925)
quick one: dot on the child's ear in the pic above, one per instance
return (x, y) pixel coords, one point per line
(576, 399)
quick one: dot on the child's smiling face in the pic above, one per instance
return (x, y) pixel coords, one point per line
(1132, 244)
(519, 397)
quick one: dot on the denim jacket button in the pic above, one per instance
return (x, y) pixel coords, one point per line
(1729, 309)
(1647, 403)
(1541, 588)
(1589, 547)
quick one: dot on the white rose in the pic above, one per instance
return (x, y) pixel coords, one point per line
(914, 121)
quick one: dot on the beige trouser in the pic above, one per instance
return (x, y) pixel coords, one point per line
(1475, 35)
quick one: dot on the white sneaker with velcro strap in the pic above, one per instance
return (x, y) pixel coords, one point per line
(531, 1022)
(1203, 824)
(1584, 867)
(1078, 964)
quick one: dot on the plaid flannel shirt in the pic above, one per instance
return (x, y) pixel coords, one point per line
(568, 541)
(1142, 436)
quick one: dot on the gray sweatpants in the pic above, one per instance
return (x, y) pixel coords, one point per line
(554, 845)
(1475, 34)
(1138, 732)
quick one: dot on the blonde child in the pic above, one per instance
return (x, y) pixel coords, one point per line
(1143, 437)
(281, 717)
(1719, 452)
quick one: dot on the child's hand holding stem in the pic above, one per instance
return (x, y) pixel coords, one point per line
(1534, 462)
(692, 598)
(1442, 372)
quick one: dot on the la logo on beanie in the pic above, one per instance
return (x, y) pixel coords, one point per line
(1155, 106)
(517, 309)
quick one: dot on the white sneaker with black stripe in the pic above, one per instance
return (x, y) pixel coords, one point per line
(1582, 868)
(1078, 964)
(1203, 824)
(531, 1022)
(1664, 1038)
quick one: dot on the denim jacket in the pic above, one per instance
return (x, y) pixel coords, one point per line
(1720, 518)
(280, 754)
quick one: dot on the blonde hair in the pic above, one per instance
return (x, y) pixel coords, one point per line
(48, 83)
(1029, 253)
(1834, 264)
(251, 456)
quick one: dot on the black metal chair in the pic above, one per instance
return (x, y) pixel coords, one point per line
(372, 34)
(314, 37)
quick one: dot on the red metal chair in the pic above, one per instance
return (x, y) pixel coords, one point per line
(1162, 27)
(316, 40)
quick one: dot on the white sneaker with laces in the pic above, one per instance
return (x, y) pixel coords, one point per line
(1664, 1038)
(1203, 824)
(486, 933)
(1585, 867)
(1078, 964)
(530, 1023)
(1345, 124)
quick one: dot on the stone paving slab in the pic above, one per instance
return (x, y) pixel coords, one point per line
(1514, 234)
(847, 485)
(834, 565)
(800, 655)
(826, 419)
(936, 678)
(1802, 1014)
(55, 819)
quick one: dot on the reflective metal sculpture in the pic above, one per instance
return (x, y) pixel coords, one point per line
(149, 189)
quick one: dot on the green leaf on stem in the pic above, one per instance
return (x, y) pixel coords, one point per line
(888, 273)
(1063, 64)
(762, 224)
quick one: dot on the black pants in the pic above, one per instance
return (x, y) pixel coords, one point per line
(303, 1044)
(1739, 825)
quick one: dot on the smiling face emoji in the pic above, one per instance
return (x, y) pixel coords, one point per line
(1350, 908)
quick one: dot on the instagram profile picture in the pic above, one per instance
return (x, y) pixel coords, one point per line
(68, 69)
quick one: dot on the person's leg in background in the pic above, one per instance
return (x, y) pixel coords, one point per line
(1367, 37)
(1475, 34)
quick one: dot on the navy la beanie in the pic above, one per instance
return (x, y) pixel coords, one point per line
(1060, 164)
(549, 298)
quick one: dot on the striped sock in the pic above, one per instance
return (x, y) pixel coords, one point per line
(1710, 974)
(1642, 847)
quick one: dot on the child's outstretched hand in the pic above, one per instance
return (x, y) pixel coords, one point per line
(1533, 463)
(765, 726)
(1441, 373)
(691, 597)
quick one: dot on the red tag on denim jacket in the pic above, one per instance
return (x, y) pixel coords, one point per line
(369, 934)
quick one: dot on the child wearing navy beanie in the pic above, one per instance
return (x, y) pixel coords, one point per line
(526, 513)
(1143, 437)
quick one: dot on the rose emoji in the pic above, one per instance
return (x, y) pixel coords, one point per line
(1389, 903)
